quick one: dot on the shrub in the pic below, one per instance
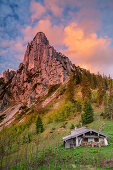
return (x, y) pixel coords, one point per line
(32, 109)
(52, 89)
(78, 106)
(39, 125)
(63, 113)
(72, 126)
(62, 90)
(27, 138)
(64, 125)
(2, 117)
(70, 89)
(23, 107)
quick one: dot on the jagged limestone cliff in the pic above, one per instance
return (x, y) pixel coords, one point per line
(42, 67)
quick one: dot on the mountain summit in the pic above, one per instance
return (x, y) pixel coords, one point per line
(42, 67)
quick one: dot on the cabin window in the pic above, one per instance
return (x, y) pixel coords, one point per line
(96, 139)
(85, 140)
(90, 139)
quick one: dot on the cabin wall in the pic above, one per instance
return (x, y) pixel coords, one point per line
(67, 144)
(70, 143)
(101, 139)
(105, 141)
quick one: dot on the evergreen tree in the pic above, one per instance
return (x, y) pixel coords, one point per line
(78, 106)
(110, 104)
(105, 104)
(93, 82)
(106, 83)
(86, 91)
(39, 125)
(70, 88)
(101, 90)
(78, 76)
(87, 116)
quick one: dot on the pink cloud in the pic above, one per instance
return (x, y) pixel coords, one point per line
(54, 7)
(37, 10)
(15, 46)
(55, 34)
(18, 46)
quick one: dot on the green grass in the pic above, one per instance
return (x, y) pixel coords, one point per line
(46, 151)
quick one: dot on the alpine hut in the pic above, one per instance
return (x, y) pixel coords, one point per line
(85, 137)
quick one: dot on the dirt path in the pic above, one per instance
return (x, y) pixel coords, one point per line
(10, 112)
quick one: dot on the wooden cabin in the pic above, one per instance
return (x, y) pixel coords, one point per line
(85, 137)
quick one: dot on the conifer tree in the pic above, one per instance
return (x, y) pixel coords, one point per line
(78, 76)
(93, 82)
(105, 104)
(110, 101)
(70, 88)
(101, 90)
(86, 91)
(39, 125)
(87, 116)
(110, 106)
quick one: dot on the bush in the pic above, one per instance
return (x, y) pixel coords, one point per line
(39, 125)
(63, 113)
(2, 117)
(23, 107)
(78, 106)
(64, 125)
(72, 126)
(62, 90)
(52, 89)
(32, 109)
(26, 138)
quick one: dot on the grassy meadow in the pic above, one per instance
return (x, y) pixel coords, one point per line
(22, 148)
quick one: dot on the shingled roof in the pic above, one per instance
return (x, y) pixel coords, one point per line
(80, 131)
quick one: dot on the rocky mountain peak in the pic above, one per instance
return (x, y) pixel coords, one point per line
(41, 38)
(42, 67)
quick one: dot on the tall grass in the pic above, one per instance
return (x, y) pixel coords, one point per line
(64, 112)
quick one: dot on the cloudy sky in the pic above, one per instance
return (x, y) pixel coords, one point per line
(81, 29)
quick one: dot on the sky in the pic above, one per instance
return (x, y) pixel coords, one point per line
(80, 29)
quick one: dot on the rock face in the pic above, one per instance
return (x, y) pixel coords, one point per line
(42, 67)
(7, 75)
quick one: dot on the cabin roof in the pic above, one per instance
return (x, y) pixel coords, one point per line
(81, 131)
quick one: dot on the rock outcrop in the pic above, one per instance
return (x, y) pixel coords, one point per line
(42, 67)
(7, 75)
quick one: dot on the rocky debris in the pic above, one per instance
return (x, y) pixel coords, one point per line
(10, 112)
(42, 66)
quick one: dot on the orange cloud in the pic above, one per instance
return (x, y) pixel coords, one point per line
(87, 50)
